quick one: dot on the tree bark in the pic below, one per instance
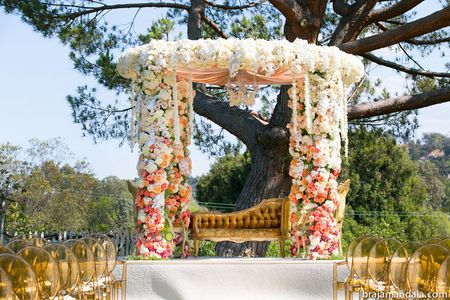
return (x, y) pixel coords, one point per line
(269, 173)
(268, 178)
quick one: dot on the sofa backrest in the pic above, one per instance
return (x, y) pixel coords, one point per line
(268, 214)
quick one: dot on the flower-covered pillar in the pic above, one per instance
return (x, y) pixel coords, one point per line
(179, 191)
(164, 111)
(317, 127)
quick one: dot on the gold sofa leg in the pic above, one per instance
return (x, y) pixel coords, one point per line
(282, 248)
(196, 247)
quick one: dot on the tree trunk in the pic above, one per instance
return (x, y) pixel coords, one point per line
(269, 174)
(268, 178)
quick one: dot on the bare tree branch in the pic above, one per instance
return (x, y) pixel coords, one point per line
(238, 122)
(288, 8)
(214, 27)
(120, 6)
(428, 41)
(392, 11)
(353, 23)
(435, 21)
(230, 7)
(398, 104)
(418, 42)
(402, 68)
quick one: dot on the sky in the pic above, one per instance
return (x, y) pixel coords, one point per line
(36, 75)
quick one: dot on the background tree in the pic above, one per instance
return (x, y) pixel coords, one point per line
(55, 196)
(224, 181)
(355, 26)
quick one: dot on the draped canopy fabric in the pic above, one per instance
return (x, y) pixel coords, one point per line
(221, 76)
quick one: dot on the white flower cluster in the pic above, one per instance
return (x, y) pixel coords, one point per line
(257, 56)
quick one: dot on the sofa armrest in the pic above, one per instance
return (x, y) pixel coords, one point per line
(285, 218)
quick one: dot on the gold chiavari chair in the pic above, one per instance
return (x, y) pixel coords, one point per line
(121, 284)
(399, 261)
(86, 266)
(443, 279)
(378, 265)
(360, 264)
(45, 268)
(111, 262)
(22, 276)
(67, 265)
(18, 244)
(100, 262)
(6, 287)
(343, 190)
(352, 283)
(423, 266)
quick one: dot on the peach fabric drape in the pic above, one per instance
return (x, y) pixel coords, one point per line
(220, 76)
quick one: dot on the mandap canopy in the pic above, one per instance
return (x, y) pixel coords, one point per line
(162, 104)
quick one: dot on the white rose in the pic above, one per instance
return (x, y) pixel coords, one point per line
(151, 167)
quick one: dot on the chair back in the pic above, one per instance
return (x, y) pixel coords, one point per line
(399, 262)
(6, 287)
(110, 249)
(4, 249)
(37, 242)
(99, 254)
(423, 267)
(443, 277)
(85, 258)
(18, 244)
(343, 189)
(22, 276)
(68, 266)
(45, 268)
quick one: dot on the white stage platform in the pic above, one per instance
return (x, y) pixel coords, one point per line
(231, 278)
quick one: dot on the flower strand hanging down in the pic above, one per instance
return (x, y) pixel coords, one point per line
(316, 164)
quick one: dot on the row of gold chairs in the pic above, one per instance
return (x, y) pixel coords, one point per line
(386, 266)
(33, 268)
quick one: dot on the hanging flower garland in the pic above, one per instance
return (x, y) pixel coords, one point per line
(164, 164)
(316, 160)
(320, 76)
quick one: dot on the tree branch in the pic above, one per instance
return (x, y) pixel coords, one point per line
(413, 29)
(392, 11)
(428, 42)
(120, 6)
(230, 7)
(353, 23)
(398, 104)
(214, 27)
(238, 122)
(289, 9)
(402, 68)
(418, 42)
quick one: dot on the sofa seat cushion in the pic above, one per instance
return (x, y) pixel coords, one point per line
(238, 235)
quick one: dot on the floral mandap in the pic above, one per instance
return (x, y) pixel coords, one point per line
(162, 73)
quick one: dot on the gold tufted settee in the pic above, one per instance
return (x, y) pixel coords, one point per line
(266, 221)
